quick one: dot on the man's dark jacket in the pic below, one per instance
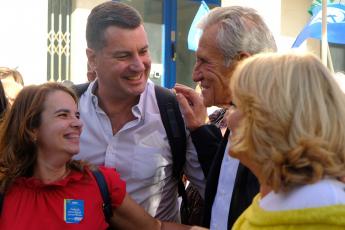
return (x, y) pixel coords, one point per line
(208, 140)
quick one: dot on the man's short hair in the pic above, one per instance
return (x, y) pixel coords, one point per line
(109, 14)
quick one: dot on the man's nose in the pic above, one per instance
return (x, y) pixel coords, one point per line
(197, 75)
(137, 64)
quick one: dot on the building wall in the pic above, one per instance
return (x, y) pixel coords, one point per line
(80, 11)
(285, 18)
(23, 38)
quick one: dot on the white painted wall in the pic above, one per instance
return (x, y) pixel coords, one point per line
(80, 12)
(23, 38)
(78, 45)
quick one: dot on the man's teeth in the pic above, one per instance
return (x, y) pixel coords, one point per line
(134, 77)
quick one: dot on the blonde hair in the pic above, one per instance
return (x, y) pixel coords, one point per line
(6, 72)
(293, 124)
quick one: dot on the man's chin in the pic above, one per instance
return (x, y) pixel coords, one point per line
(139, 90)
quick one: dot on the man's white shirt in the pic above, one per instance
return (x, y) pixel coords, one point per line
(222, 200)
(140, 152)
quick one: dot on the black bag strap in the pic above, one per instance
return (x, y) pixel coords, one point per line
(1, 201)
(175, 128)
(103, 188)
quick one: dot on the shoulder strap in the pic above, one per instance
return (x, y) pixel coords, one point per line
(175, 128)
(1, 201)
(80, 88)
(103, 188)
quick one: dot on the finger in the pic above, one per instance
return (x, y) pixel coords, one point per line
(184, 103)
(189, 93)
(183, 89)
(182, 86)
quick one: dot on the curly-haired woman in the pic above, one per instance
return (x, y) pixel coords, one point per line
(292, 136)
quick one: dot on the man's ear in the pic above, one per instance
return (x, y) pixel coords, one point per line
(242, 55)
(91, 58)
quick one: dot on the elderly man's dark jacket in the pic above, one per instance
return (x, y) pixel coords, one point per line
(208, 141)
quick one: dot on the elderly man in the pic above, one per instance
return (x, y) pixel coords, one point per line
(230, 34)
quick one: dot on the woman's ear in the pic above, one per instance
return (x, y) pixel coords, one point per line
(34, 135)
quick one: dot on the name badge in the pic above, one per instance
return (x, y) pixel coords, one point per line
(73, 211)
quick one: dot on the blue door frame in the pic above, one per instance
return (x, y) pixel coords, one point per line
(169, 40)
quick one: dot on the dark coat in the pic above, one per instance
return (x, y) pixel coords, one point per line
(208, 142)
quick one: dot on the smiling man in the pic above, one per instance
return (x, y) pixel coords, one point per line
(122, 122)
(230, 34)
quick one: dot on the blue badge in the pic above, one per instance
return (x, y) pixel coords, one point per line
(73, 211)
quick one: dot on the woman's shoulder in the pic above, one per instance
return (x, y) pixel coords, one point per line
(107, 172)
(116, 186)
(111, 176)
(322, 193)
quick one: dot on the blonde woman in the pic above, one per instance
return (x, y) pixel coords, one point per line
(292, 137)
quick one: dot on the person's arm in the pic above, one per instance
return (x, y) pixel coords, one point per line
(206, 138)
(129, 215)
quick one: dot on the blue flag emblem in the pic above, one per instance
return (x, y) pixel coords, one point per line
(194, 33)
(335, 25)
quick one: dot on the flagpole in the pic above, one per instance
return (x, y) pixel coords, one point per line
(324, 40)
(330, 62)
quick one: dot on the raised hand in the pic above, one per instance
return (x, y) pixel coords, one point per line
(192, 106)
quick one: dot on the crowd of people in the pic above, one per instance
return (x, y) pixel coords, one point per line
(278, 164)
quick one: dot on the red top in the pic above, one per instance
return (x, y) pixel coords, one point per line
(30, 204)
